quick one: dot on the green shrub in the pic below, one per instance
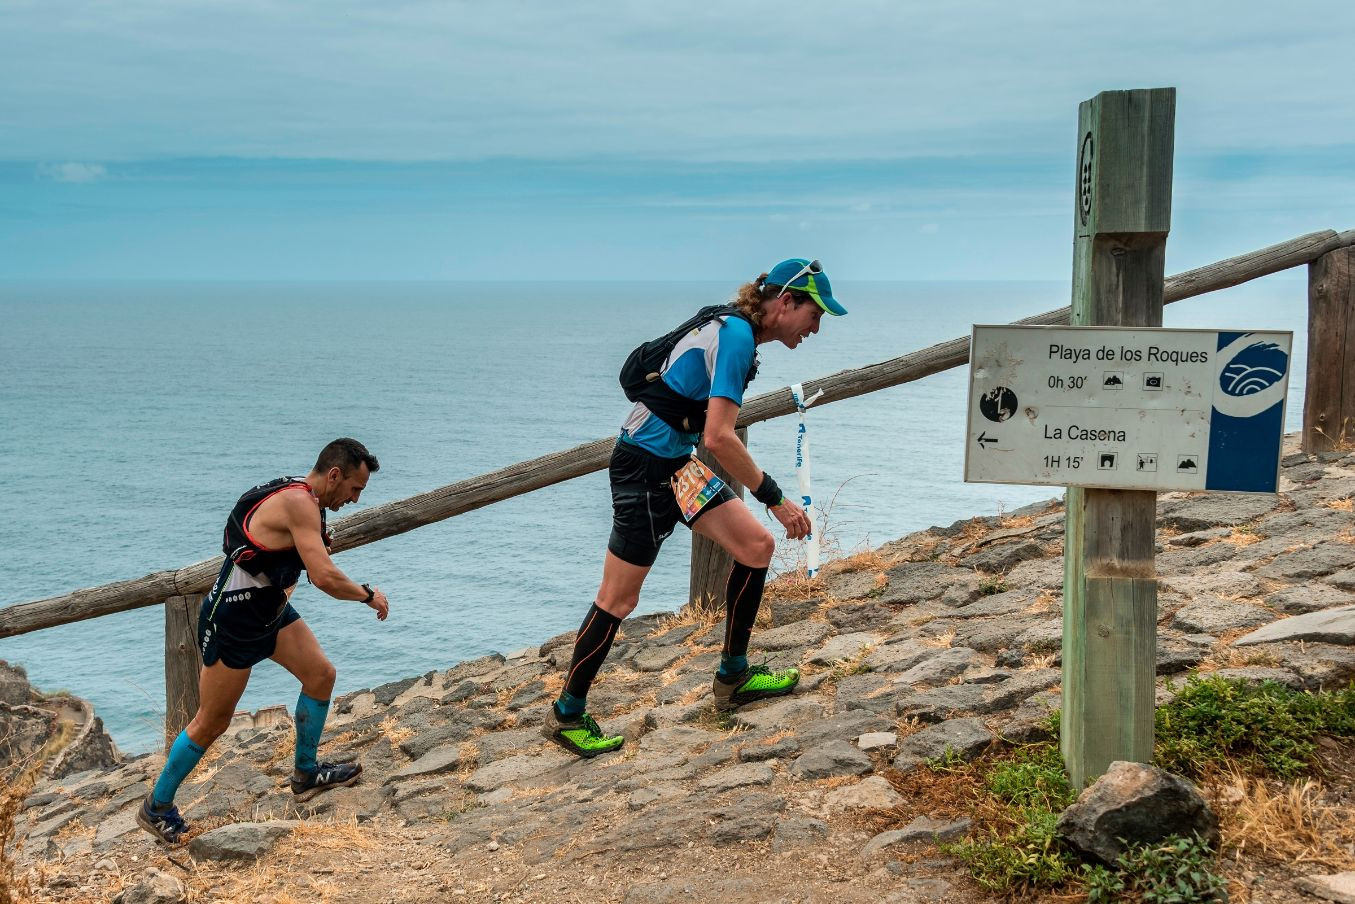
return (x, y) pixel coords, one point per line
(1174, 871)
(1035, 779)
(1266, 728)
(1030, 857)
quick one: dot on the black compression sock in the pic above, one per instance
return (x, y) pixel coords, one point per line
(742, 599)
(590, 648)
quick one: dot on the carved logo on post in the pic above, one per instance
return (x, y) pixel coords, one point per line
(1084, 180)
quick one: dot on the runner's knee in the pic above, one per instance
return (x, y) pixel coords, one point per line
(756, 552)
(207, 727)
(618, 604)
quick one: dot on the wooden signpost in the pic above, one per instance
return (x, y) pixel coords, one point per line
(1123, 214)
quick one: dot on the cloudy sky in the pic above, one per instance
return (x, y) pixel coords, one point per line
(266, 139)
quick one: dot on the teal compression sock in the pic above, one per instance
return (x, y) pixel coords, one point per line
(310, 722)
(569, 706)
(730, 666)
(183, 756)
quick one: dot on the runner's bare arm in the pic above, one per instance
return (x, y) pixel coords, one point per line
(724, 444)
(303, 523)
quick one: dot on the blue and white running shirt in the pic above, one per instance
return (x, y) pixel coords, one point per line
(711, 361)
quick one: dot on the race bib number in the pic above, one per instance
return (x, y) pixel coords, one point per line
(694, 486)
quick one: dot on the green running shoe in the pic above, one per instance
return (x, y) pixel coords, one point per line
(579, 736)
(757, 683)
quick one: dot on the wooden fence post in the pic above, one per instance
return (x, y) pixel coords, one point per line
(1124, 178)
(1329, 400)
(710, 562)
(183, 662)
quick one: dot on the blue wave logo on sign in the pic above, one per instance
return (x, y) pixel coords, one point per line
(1257, 367)
(1246, 423)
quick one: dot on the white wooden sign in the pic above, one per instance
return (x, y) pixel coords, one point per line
(1122, 408)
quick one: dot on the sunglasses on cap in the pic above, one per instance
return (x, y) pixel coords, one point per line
(811, 267)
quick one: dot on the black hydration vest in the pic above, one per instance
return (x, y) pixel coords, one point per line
(282, 567)
(641, 375)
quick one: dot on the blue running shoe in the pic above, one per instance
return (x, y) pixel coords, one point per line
(166, 824)
(306, 785)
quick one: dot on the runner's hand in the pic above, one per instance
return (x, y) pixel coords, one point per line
(792, 518)
(380, 604)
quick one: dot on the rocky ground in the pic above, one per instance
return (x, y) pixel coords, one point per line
(947, 639)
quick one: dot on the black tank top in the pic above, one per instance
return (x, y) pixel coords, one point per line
(282, 567)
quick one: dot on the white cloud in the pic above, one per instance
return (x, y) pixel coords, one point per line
(73, 172)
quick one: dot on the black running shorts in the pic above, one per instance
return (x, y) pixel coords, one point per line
(233, 632)
(644, 509)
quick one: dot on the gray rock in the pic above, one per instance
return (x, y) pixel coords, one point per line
(945, 702)
(853, 617)
(829, 759)
(1345, 580)
(877, 740)
(941, 665)
(674, 635)
(1046, 637)
(872, 793)
(704, 888)
(1221, 583)
(1321, 666)
(777, 750)
(514, 769)
(798, 832)
(786, 612)
(1216, 616)
(854, 585)
(1314, 562)
(1258, 674)
(1212, 510)
(845, 727)
(844, 646)
(873, 692)
(438, 736)
(740, 776)
(656, 659)
(922, 828)
(438, 760)
(386, 693)
(1338, 887)
(917, 582)
(1335, 626)
(898, 657)
(1195, 538)
(154, 887)
(1135, 804)
(240, 840)
(966, 738)
(529, 694)
(643, 797)
(796, 634)
(1007, 602)
(1177, 560)
(989, 636)
(775, 714)
(1003, 558)
(1176, 653)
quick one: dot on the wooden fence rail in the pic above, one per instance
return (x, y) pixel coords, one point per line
(403, 515)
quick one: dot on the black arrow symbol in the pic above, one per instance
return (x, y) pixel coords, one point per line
(984, 439)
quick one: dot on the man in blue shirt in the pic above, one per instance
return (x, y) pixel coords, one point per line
(652, 465)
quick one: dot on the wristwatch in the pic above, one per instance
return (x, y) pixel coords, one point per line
(371, 594)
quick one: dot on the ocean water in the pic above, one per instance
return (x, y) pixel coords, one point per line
(132, 415)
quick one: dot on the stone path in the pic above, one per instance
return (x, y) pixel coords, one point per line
(946, 640)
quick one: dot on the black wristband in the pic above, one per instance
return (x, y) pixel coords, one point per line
(768, 493)
(371, 594)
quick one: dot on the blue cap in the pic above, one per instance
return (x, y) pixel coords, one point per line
(813, 282)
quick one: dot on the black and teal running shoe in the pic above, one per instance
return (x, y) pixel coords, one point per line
(756, 683)
(306, 785)
(164, 823)
(580, 736)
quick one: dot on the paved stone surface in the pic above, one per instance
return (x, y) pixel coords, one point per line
(1336, 626)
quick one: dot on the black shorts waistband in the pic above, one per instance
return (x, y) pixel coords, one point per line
(646, 466)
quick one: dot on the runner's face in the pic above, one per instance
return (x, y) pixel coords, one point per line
(344, 488)
(798, 322)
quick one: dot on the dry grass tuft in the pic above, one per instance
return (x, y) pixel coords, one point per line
(394, 732)
(1286, 823)
(693, 615)
(940, 640)
(1226, 656)
(1245, 535)
(19, 778)
(1342, 505)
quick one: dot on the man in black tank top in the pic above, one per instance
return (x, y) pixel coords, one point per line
(275, 531)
